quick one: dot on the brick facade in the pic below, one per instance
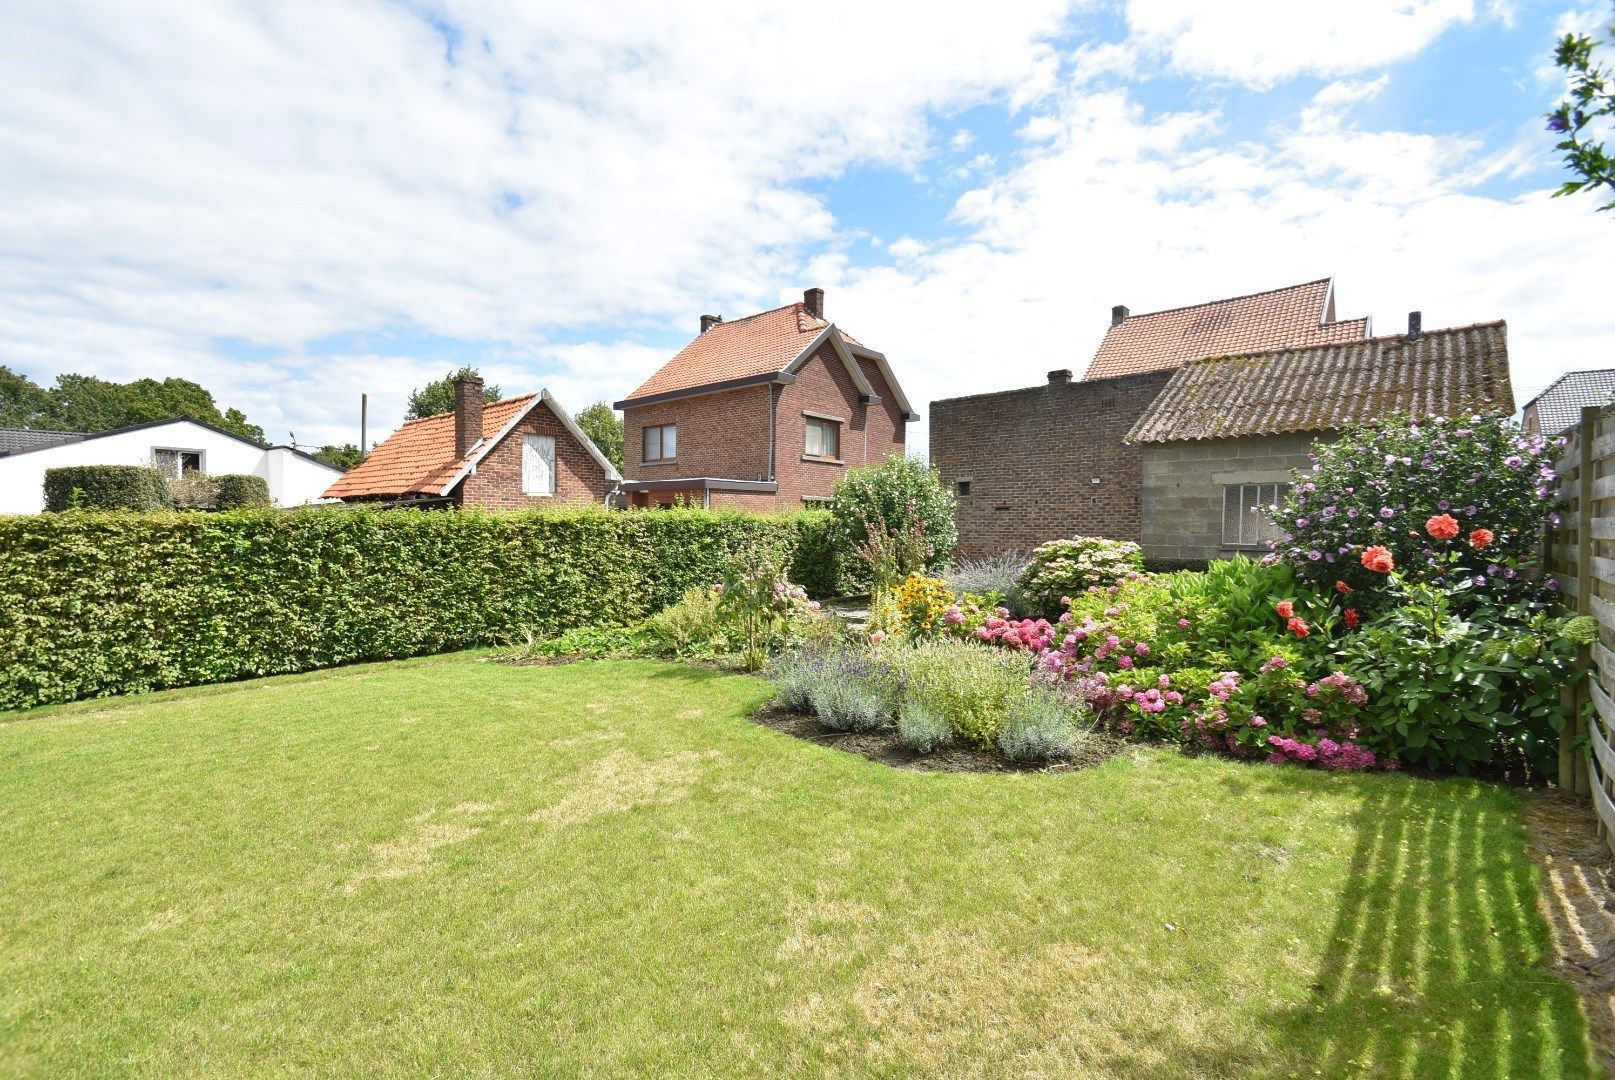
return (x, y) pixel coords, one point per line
(726, 435)
(1183, 485)
(1031, 457)
(497, 482)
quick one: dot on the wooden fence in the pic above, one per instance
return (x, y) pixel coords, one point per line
(1581, 554)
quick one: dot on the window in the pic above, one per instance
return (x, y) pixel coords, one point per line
(823, 438)
(538, 464)
(176, 463)
(661, 443)
(961, 488)
(1247, 519)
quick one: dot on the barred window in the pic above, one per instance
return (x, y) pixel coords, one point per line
(1247, 514)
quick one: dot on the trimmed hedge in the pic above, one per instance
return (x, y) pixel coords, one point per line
(239, 491)
(106, 487)
(105, 603)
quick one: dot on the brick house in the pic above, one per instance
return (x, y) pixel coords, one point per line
(1220, 441)
(519, 453)
(1072, 471)
(764, 413)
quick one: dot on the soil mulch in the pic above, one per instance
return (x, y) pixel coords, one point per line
(1578, 875)
(883, 747)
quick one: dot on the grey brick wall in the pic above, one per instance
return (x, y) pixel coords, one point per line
(1183, 488)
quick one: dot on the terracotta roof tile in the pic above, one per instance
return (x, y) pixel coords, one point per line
(419, 458)
(756, 345)
(1293, 316)
(1448, 372)
(1559, 406)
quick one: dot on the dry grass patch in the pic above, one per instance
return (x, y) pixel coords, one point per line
(621, 781)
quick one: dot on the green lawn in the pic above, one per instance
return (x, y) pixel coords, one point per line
(451, 866)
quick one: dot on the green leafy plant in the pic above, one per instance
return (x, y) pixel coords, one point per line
(756, 602)
(106, 487)
(1041, 725)
(240, 491)
(921, 728)
(1065, 568)
(897, 518)
(972, 686)
(1585, 111)
(692, 627)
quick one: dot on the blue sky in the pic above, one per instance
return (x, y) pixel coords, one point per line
(298, 203)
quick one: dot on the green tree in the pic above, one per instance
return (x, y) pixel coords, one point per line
(23, 403)
(604, 428)
(895, 517)
(346, 456)
(438, 396)
(1584, 113)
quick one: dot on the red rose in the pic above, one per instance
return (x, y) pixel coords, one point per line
(1285, 609)
(1298, 627)
(1353, 620)
(1378, 559)
(1481, 538)
(1342, 587)
(1442, 526)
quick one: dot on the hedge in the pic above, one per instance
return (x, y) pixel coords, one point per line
(237, 491)
(106, 487)
(104, 603)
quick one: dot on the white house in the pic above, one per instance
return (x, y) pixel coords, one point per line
(173, 446)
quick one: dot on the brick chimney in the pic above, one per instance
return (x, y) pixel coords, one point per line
(1063, 375)
(1118, 315)
(813, 302)
(467, 412)
(709, 321)
(1415, 325)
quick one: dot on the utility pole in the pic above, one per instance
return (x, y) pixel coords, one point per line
(364, 424)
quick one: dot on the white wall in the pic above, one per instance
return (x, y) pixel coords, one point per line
(292, 479)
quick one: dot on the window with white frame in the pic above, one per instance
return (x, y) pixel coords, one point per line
(1247, 514)
(661, 443)
(175, 463)
(538, 464)
(823, 438)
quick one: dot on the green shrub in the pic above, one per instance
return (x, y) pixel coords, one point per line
(970, 685)
(239, 491)
(690, 627)
(194, 491)
(1039, 726)
(893, 519)
(1067, 567)
(94, 604)
(106, 487)
(921, 728)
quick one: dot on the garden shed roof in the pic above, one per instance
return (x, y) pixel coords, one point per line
(1447, 372)
(1295, 315)
(1558, 408)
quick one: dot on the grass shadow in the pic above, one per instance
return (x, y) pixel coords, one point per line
(1438, 961)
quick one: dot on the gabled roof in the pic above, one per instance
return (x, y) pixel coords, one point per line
(767, 347)
(23, 438)
(1446, 372)
(1558, 408)
(1291, 317)
(419, 458)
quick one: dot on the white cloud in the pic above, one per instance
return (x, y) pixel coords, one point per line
(1261, 42)
(1119, 206)
(179, 174)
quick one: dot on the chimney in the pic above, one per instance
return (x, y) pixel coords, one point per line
(467, 411)
(709, 321)
(1415, 325)
(1117, 315)
(813, 302)
(1061, 376)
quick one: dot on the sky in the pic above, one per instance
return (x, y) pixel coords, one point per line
(295, 202)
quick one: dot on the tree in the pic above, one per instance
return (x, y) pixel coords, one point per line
(1584, 113)
(438, 396)
(346, 456)
(91, 404)
(604, 428)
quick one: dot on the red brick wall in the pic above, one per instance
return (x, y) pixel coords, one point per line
(497, 483)
(722, 434)
(1031, 455)
(726, 434)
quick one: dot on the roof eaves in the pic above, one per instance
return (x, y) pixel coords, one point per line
(705, 388)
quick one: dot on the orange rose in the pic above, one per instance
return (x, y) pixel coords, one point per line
(1482, 538)
(1353, 620)
(1442, 526)
(1378, 559)
(1342, 587)
(1285, 609)
(1298, 627)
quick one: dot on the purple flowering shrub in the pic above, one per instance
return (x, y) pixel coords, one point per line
(1378, 486)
